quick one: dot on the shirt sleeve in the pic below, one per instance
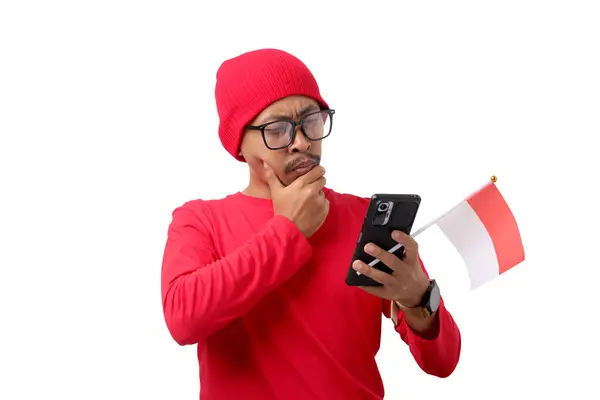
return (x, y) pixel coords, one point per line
(202, 293)
(437, 356)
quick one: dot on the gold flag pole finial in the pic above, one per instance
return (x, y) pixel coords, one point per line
(493, 178)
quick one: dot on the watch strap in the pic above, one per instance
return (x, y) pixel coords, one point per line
(423, 307)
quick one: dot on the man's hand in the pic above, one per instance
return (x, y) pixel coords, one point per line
(303, 201)
(408, 283)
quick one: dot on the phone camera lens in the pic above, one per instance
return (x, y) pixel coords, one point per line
(382, 207)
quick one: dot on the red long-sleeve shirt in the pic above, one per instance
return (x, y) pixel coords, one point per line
(270, 310)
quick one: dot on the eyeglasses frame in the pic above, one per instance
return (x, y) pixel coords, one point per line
(295, 124)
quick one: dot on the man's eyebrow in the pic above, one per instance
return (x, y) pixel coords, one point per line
(274, 117)
(308, 109)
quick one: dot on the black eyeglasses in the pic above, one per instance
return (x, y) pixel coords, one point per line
(281, 133)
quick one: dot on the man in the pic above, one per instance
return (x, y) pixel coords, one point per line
(257, 279)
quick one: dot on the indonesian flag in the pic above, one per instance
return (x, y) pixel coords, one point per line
(484, 231)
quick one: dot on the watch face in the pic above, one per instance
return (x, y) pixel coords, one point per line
(434, 298)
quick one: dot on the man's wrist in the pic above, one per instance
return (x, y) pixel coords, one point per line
(419, 321)
(422, 316)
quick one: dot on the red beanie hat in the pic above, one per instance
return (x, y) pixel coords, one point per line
(250, 82)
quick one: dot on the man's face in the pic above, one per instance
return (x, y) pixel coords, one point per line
(301, 155)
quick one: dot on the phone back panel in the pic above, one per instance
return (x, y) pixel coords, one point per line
(386, 213)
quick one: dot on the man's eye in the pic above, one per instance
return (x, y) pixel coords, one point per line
(276, 129)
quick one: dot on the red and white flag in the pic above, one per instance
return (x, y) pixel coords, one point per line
(484, 231)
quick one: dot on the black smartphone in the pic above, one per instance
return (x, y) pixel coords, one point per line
(386, 213)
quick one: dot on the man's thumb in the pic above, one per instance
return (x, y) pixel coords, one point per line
(272, 178)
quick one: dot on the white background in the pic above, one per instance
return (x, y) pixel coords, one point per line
(107, 123)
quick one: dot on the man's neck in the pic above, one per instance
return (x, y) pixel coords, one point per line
(257, 188)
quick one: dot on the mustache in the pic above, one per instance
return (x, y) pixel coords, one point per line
(306, 158)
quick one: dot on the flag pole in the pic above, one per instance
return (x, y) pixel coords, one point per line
(428, 225)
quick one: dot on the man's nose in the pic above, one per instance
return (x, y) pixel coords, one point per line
(300, 143)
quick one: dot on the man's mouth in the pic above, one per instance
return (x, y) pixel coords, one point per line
(304, 166)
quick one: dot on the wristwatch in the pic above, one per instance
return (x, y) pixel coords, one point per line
(430, 302)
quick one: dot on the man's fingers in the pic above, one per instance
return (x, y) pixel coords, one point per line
(311, 176)
(272, 178)
(410, 245)
(373, 273)
(384, 256)
(319, 184)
